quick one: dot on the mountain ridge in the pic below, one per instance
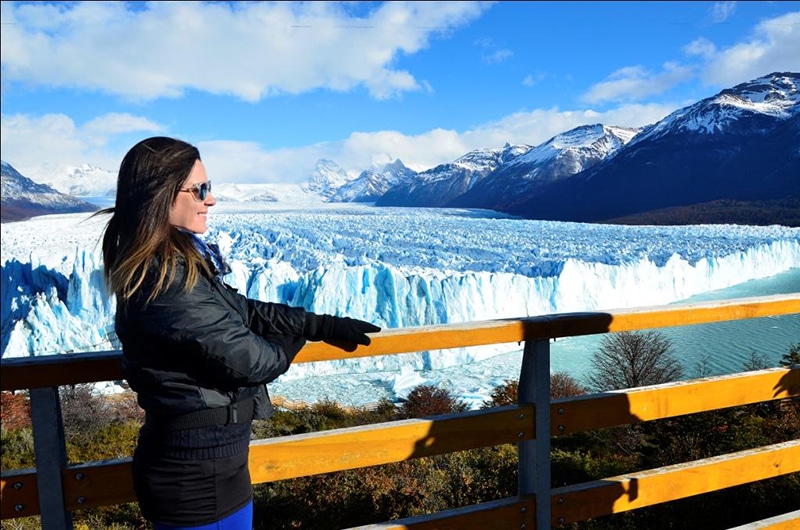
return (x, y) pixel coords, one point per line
(23, 198)
(738, 149)
(713, 150)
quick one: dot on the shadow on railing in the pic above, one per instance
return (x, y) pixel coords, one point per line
(54, 489)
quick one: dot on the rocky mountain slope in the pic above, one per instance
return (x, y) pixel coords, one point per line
(22, 198)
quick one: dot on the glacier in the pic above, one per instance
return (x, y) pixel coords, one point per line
(392, 266)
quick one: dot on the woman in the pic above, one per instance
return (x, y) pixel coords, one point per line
(197, 353)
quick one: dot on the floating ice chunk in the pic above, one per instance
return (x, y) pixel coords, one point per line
(404, 382)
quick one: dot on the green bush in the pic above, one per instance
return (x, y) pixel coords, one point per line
(16, 447)
(391, 491)
(111, 441)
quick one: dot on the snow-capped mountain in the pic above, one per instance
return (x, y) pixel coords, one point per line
(327, 177)
(744, 109)
(373, 183)
(444, 183)
(259, 194)
(85, 181)
(23, 198)
(742, 144)
(737, 149)
(562, 156)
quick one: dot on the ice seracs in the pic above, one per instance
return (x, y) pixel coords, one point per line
(397, 267)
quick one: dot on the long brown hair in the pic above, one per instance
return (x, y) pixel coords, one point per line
(139, 240)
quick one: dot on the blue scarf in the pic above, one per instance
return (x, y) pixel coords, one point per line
(212, 254)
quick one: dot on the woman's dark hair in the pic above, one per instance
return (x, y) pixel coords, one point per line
(139, 239)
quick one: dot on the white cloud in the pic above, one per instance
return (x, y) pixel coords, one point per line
(773, 47)
(540, 125)
(492, 52)
(722, 11)
(245, 162)
(161, 49)
(634, 83)
(248, 162)
(47, 143)
(497, 56)
(99, 130)
(534, 79)
(52, 144)
(702, 47)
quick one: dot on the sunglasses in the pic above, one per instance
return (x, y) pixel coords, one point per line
(199, 191)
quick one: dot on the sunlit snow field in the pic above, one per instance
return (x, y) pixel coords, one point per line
(406, 267)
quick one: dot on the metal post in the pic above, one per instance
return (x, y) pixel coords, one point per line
(534, 455)
(51, 457)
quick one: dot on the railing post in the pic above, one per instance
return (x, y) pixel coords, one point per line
(534, 455)
(50, 450)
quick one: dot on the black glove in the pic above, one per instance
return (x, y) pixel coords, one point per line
(337, 330)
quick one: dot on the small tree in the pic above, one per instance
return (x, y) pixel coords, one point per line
(756, 361)
(701, 368)
(82, 409)
(563, 385)
(505, 394)
(428, 400)
(792, 357)
(15, 410)
(631, 359)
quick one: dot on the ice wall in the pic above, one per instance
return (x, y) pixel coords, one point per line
(401, 297)
(47, 312)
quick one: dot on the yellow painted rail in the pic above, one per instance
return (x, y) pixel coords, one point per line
(107, 483)
(594, 411)
(70, 369)
(323, 452)
(655, 486)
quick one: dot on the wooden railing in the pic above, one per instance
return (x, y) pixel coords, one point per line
(54, 489)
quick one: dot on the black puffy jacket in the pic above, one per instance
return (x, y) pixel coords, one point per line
(207, 347)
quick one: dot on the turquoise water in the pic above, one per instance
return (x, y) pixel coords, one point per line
(709, 349)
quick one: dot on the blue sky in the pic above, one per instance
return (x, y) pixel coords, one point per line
(265, 89)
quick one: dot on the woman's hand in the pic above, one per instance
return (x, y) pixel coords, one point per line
(340, 331)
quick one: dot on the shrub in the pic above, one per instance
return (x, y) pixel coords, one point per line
(383, 411)
(343, 499)
(381, 493)
(505, 394)
(15, 410)
(16, 448)
(561, 385)
(573, 467)
(109, 441)
(81, 409)
(427, 400)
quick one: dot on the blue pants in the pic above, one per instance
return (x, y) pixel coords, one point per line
(240, 520)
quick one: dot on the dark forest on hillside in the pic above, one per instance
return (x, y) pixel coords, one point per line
(784, 212)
